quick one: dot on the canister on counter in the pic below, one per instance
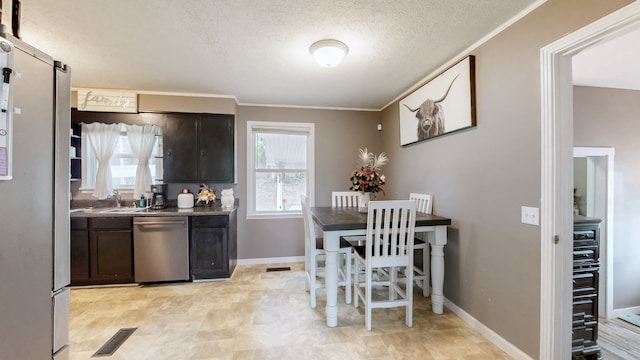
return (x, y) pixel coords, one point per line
(185, 199)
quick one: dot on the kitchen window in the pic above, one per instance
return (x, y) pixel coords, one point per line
(280, 168)
(123, 164)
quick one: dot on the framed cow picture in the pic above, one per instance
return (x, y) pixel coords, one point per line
(443, 105)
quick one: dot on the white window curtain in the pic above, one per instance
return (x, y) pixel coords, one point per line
(142, 138)
(103, 139)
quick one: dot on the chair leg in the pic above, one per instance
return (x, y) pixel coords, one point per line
(367, 305)
(312, 287)
(356, 282)
(393, 278)
(409, 296)
(347, 275)
(426, 268)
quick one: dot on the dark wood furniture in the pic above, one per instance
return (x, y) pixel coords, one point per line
(586, 268)
(198, 148)
(213, 246)
(101, 251)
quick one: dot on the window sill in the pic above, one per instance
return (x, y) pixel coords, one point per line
(266, 216)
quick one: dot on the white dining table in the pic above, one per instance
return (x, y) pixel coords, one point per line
(337, 222)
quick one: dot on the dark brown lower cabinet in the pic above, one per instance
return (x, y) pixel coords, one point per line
(101, 251)
(213, 251)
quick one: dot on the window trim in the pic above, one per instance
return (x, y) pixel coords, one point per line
(307, 129)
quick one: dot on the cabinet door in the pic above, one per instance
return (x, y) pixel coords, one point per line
(208, 258)
(112, 256)
(180, 148)
(216, 141)
(79, 244)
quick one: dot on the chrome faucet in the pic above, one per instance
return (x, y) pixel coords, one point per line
(116, 195)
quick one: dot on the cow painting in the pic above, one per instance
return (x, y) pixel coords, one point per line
(430, 116)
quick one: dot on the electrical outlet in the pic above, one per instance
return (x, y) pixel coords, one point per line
(530, 215)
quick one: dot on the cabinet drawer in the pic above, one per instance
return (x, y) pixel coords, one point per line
(585, 254)
(79, 223)
(584, 234)
(209, 221)
(588, 305)
(111, 223)
(585, 283)
(584, 335)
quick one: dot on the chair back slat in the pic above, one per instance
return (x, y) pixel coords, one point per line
(390, 229)
(341, 199)
(424, 202)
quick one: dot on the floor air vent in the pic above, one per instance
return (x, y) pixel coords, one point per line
(114, 343)
(283, 268)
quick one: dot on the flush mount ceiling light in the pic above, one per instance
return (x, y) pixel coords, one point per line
(328, 52)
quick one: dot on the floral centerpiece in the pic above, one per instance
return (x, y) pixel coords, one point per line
(206, 195)
(366, 179)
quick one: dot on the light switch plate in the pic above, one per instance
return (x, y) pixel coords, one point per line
(530, 215)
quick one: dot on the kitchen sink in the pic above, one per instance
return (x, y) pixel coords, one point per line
(122, 210)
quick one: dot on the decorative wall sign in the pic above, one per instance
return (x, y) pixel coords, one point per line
(443, 105)
(107, 100)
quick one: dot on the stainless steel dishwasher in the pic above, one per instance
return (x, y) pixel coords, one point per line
(161, 248)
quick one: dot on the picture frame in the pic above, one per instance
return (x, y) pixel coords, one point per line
(443, 105)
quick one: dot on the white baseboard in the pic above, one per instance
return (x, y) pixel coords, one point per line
(486, 332)
(271, 260)
(626, 311)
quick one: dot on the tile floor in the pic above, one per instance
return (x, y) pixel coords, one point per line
(260, 315)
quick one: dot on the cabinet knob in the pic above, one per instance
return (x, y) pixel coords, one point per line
(202, 153)
(169, 153)
(213, 263)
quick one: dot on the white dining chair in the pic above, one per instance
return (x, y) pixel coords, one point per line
(388, 245)
(422, 275)
(314, 252)
(345, 198)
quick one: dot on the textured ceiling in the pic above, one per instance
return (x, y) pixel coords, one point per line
(257, 50)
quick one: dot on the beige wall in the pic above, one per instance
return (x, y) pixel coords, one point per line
(610, 117)
(191, 104)
(482, 176)
(338, 136)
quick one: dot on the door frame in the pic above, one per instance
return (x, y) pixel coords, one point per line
(556, 205)
(606, 242)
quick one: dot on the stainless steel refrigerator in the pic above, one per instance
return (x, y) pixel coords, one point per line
(34, 208)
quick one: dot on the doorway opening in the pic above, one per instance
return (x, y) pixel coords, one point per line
(593, 179)
(556, 207)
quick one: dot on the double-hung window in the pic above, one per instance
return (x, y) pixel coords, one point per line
(280, 168)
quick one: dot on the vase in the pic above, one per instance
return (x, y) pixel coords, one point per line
(363, 204)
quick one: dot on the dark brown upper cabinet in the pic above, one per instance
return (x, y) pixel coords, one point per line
(198, 148)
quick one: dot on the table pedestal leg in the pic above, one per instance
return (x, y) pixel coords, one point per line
(437, 269)
(331, 284)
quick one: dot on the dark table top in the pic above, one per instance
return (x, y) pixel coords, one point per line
(331, 219)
